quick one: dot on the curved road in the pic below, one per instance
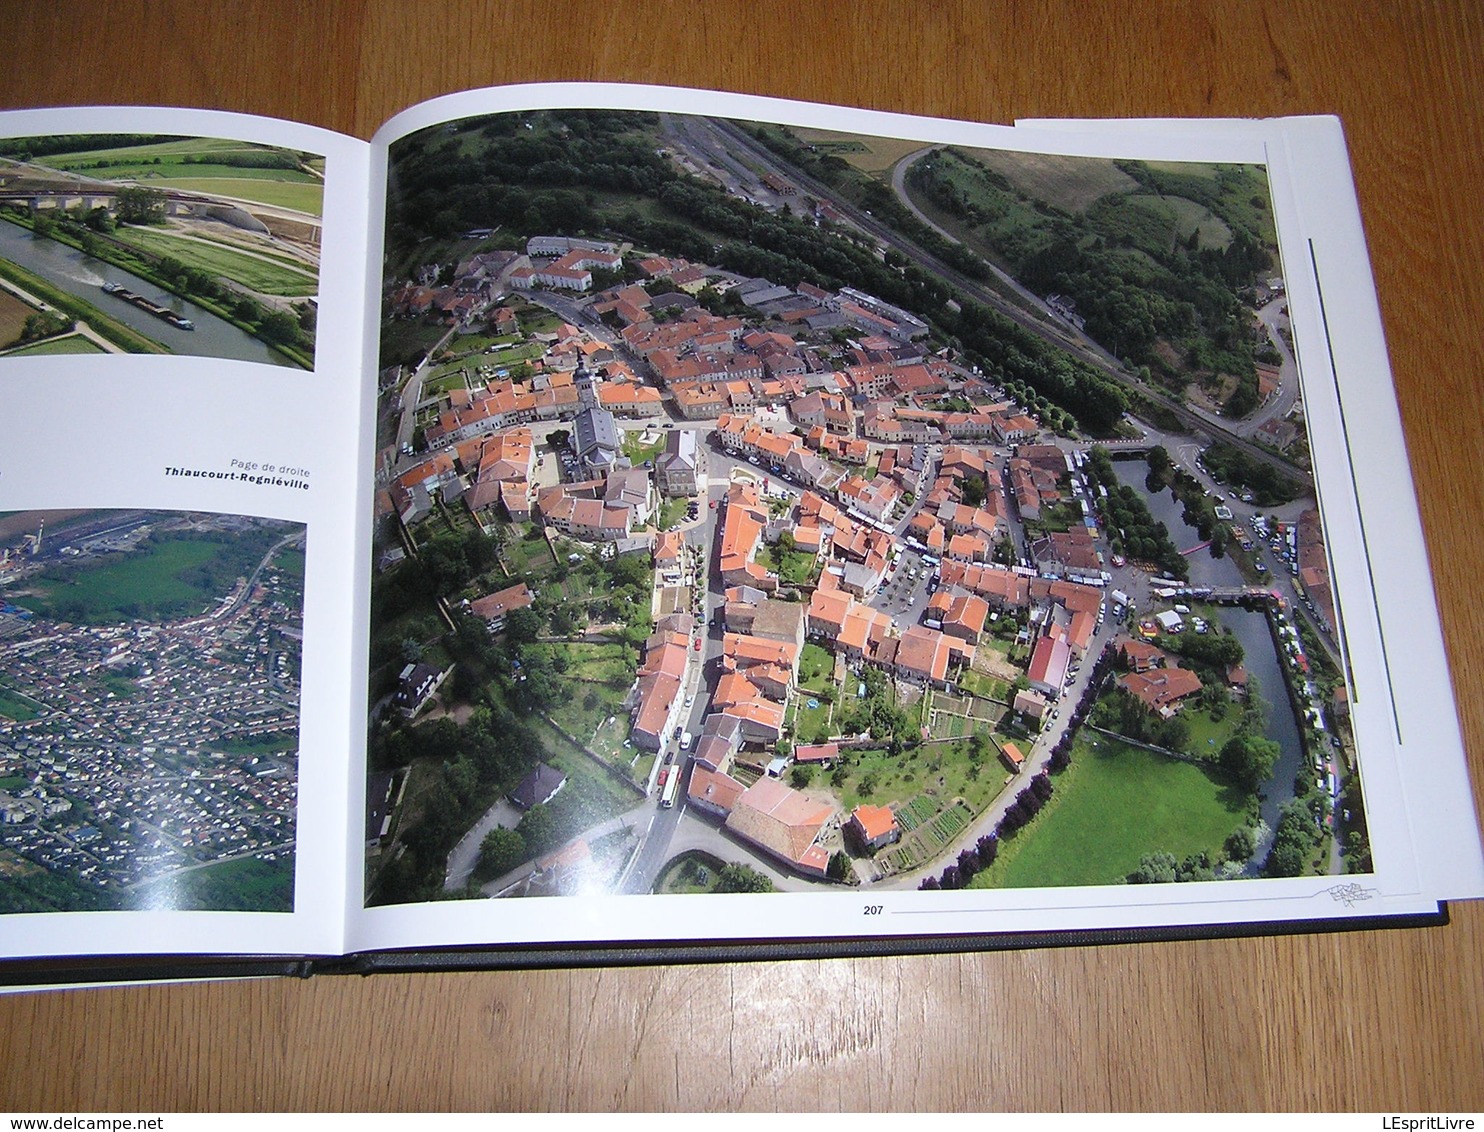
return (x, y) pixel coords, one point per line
(728, 137)
(899, 186)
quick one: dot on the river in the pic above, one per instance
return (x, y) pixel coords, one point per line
(82, 275)
(1249, 626)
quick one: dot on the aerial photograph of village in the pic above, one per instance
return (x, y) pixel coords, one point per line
(149, 710)
(775, 509)
(113, 244)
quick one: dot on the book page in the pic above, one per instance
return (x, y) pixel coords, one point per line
(797, 522)
(180, 365)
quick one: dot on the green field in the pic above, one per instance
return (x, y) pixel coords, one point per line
(868, 154)
(1112, 806)
(811, 724)
(256, 274)
(279, 742)
(689, 874)
(164, 165)
(15, 708)
(1071, 183)
(142, 156)
(984, 687)
(816, 668)
(67, 344)
(404, 339)
(252, 185)
(794, 567)
(137, 579)
(143, 583)
(1214, 231)
(602, 797)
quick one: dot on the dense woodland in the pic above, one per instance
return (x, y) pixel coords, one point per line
(1135, 266)
(510, 680)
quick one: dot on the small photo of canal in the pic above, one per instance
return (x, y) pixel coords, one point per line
(152, 244)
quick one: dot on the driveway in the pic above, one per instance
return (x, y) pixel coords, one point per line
(465, 855)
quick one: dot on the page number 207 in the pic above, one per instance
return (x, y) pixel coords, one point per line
(872, 910)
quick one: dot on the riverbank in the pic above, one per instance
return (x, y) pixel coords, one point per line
(101, 247)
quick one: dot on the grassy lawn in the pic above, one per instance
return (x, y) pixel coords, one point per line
(137, 160)
(943, 771)
(795, 567)
(816, 668)
(1113, 805)
(596, 680)
(525, 555)
(256, 274)
(615, 797)
(1207, 735)
(1071, 183)
(539, 321)
(277, 743)
(811, 724)
(242, 885)
(446, 383)
(473, 350)
(985, 687)
(163, 165)
(467, 345)
(672, 512)
(637, 451)
(600, 663)
(870, 155)
(642, 761)
(1059, 517)
(1189, 214)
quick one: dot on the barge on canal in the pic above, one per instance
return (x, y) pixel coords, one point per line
(153, 308)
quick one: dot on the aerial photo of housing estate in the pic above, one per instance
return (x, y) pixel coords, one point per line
(764, 508)
(159, 245)
(149, 710)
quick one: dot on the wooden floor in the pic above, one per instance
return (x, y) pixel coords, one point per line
(1390, 1020)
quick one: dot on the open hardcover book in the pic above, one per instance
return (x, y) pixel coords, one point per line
(589, 523)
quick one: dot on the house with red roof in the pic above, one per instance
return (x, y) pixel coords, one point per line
(713, 792)
(1050, 660)
(1013, 757)
(1161, 690)
(873, 827)
(495, 607)
(821, 754)
(1140, 656)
